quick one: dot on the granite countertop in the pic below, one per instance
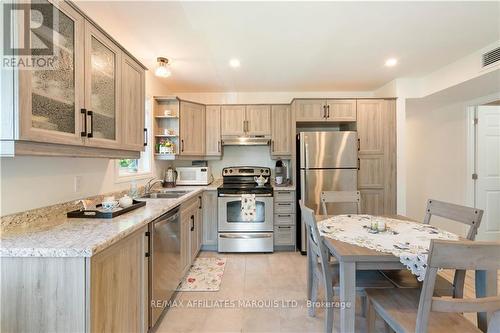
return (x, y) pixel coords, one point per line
(65, 237)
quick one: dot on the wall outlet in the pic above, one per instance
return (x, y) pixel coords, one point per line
(77, 184)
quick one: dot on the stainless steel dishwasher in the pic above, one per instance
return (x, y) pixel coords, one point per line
(165, 262)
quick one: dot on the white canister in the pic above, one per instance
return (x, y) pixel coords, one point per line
(125, 201)
(381, 225)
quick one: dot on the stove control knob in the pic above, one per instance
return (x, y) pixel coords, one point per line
(261, 170)
(225, 171)
(230, 170)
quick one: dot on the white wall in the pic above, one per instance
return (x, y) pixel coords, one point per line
(32, 182)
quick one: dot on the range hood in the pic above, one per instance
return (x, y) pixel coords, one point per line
(257, 140)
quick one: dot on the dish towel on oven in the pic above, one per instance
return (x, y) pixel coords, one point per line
(248, 207)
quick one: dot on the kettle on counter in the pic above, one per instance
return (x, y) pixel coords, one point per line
(170, 177)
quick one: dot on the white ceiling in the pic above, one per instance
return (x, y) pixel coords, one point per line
(296, 46)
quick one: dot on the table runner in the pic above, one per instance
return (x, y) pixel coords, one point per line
(407, 240)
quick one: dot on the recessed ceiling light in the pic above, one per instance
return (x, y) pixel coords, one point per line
(235, 63)
(391, 62)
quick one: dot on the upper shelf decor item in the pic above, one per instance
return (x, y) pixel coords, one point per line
(163, 69)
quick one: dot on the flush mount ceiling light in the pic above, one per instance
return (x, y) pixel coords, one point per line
(235, 63)
(391, 62)
(163, 69)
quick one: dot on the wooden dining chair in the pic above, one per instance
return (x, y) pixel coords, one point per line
(320, 268)
(460, 214)
(414, 310)
(340, 197)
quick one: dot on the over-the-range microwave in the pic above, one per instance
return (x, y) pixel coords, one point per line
(194, 176)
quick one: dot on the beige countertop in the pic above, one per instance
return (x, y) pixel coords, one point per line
(70, 237)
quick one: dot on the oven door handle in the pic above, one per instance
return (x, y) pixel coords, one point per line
(245, 236)
(239, 195)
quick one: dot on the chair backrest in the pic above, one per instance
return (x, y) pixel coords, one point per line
(315, 246)
(340, 197)
(463, 255)
(466, 215)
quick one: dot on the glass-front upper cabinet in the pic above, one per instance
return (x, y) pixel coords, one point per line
(51, 92)
(102, 89)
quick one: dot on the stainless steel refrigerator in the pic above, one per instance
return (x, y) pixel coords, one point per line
(328, 161)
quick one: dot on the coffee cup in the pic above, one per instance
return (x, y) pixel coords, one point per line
(108, 205)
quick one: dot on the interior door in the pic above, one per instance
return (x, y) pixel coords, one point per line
(102, 89)
(488, 171)
(50, 99)
(258, 118)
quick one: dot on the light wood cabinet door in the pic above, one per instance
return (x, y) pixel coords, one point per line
(340, 110)
(258, 120)
(133, 104)
(232, 119)
(117, 286)
(371, 126)
(213, 131)
(310, 110)
(372, 201)
(192, 129)
(103, 66)
(51, 99)
(281, 130)
(185, 241)
(209, 217)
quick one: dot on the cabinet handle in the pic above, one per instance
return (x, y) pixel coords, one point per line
(359, 164)
(182, 146)
(328, 111)
(284, 227)
(287, 215)
(91, 114)
(284, 192)
(192, 222)
(359, 144)
(84, 113)
(199, 198)
(324, 111)
(287, 204)
(145, 137)
(218, 146)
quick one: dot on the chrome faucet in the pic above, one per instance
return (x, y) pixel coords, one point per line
(149, 185)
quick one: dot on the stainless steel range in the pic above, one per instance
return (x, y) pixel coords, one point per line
(236, 233)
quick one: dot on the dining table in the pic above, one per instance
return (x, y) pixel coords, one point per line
(353, 257)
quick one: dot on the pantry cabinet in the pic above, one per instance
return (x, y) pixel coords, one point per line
(213, 144)
(376, 125)
(90, 105)
(281, 131)
(329, 110)
(192, 129)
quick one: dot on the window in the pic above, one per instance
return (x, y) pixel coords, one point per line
(127, 169)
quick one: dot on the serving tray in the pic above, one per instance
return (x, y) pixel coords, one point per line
(100, 213)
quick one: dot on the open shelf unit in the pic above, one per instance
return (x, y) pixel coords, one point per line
(166, 116)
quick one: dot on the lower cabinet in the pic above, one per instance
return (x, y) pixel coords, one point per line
(284, 220)
(209, 204)
(191, 232)
(107, 292)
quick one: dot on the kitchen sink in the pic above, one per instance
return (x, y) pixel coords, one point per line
(165, 195)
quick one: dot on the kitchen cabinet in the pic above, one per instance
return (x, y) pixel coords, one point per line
(185, 241)
(83, 107)
(281, 131)
(213, 131)
(192, 128)
(191, 231)
(117, 278)
(133, 104)
(241, 120)
(258, 120)
(233, 120)
(209, 239)
(284, 220)
(107, 292)
(376, 125)
(320, 110)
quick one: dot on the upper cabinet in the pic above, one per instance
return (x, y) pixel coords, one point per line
(213, 146)
(320, 110)
(281, 131)
(50, 99)
(89, 103)
(258, 120)
(192, 128)
(233, 119)
(102, 89)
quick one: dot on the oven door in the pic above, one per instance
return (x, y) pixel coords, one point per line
(231, 219)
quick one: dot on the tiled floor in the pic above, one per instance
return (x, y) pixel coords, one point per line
(251, 277)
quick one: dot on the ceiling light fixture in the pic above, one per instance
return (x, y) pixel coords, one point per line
(391, 62)
(235, 63)
(163, 69)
